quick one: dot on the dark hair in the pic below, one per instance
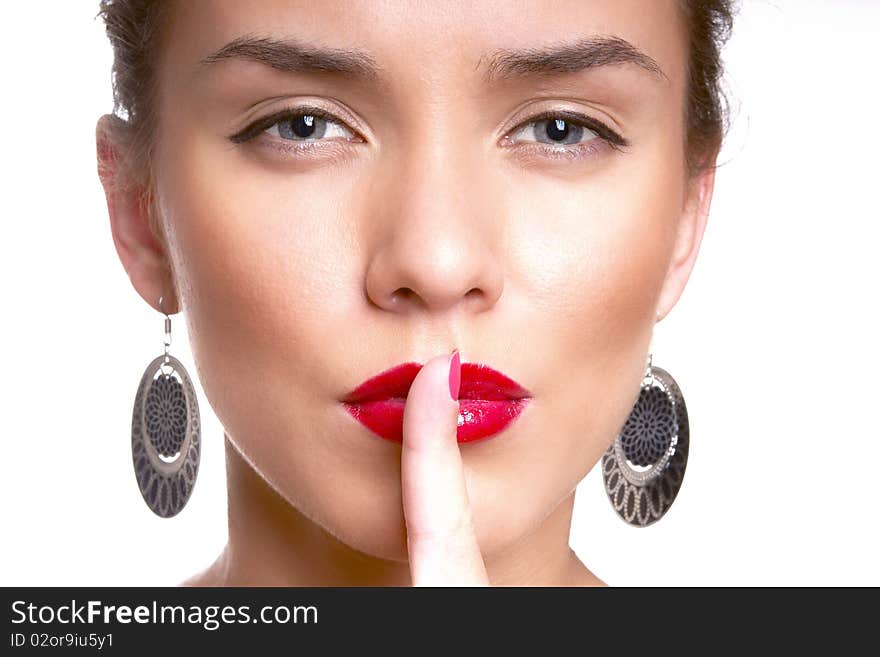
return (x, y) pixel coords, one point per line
(709, 26)
(134, 30)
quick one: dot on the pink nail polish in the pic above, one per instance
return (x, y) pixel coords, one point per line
(454, 375)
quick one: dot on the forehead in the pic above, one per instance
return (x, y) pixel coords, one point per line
(389, 41)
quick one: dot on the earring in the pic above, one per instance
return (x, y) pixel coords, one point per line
(644, 468)
(166, 433)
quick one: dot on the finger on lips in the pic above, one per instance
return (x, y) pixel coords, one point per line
(441, 542)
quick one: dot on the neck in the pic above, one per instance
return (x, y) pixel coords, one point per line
(272, 544)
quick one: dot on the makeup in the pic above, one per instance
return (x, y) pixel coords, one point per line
(488, 401)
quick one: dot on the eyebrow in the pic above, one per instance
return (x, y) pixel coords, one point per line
(291, 56)
(584, 54)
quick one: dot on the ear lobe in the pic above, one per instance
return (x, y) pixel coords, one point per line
(141, 253)
(691, 226)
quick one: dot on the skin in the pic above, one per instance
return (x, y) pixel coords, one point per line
(301, 275)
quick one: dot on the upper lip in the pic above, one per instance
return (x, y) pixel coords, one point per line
(478, 381)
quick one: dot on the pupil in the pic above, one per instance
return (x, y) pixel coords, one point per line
(557, 129)
(303, 126)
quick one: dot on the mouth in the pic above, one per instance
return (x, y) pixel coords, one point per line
(489, 401)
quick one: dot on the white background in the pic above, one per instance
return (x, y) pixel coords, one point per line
(774, 342)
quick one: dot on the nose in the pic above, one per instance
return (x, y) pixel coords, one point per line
(436, 230)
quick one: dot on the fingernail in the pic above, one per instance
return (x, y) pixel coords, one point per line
(454, 375)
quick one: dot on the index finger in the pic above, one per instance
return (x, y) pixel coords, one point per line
(442, 544)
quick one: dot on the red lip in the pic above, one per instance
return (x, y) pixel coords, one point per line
(488, 401)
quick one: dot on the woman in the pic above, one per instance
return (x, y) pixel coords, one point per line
(421, 250)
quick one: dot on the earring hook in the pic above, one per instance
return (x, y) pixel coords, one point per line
(167, 329)
(648, 378)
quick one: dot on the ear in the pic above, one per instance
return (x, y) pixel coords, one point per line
(141, 251)
(691, 225)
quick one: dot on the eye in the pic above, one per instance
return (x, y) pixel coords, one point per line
(565, 132)
(300, 124)
(305, 126)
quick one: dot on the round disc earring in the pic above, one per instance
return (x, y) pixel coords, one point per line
(166, 433)
(644, 468)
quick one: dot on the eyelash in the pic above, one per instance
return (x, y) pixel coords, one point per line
(603, 133)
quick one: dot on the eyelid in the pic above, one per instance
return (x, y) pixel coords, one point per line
(600, 128)
(262, 124)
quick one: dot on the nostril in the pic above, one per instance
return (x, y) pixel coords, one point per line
(403, 294)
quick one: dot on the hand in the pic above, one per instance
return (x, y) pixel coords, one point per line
(442, 545)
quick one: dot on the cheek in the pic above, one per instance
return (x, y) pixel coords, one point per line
(595, 266)
(250, 252)
(601, 256)
(261, 288)
(268, 305)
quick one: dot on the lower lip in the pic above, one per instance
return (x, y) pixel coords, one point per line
(478, 419)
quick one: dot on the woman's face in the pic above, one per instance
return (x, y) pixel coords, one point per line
(430, 211)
